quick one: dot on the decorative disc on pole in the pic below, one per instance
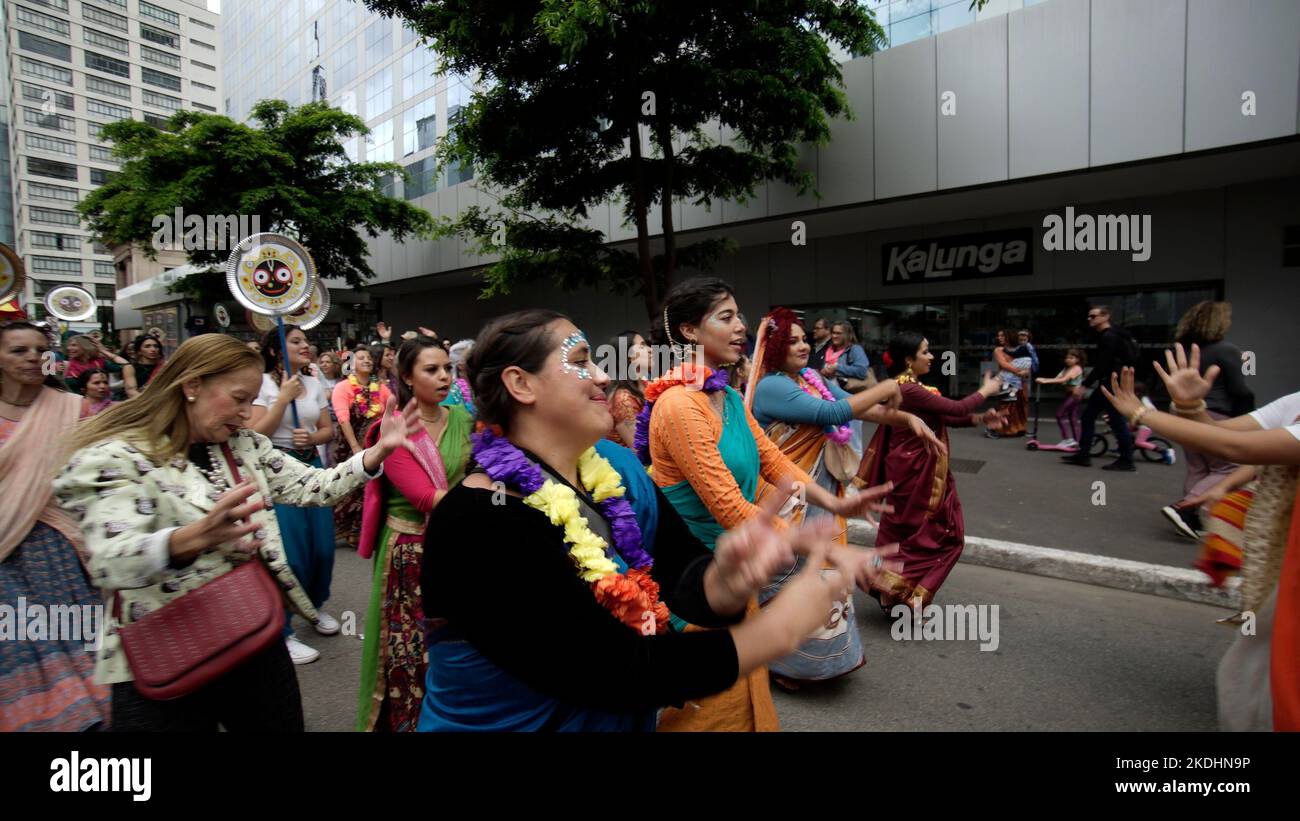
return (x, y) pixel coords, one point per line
(12, 275)
(221, 315)
(70, 303)
(312, 312)
(270, 274)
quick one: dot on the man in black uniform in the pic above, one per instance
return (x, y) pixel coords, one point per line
(1115, 349)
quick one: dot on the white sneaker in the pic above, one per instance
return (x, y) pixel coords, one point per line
(1067, 443)
(327, 624)
(300, 653)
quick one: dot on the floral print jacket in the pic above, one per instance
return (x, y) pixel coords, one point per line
(128, 506)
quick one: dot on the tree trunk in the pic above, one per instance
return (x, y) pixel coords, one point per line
(649, 289)
(666, 202)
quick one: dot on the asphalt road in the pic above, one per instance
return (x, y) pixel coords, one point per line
(1070, 657)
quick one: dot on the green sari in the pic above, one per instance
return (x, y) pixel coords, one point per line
(393, 656)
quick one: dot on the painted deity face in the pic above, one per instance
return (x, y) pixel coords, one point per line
(272, 278)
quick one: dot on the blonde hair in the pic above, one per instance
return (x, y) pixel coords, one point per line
(155, 421)
(1205, 322)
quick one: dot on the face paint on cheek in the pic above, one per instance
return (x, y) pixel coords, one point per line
(566, 349)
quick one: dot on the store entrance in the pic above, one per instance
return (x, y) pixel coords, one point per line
(1057, 322)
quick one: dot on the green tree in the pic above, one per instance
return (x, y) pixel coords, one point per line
(290, 170)
(572, 86)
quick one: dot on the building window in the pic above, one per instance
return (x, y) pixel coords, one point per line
(458, 94)
(157, 78)
(162, 38)
(108, 41)
(161, 100)
(421, 177)
(109, 87)
(42, 143)
(318, 84)
(379, 41)
(56, 265)
(202, 65)
(202, 24)
(44, 45)
(55, 74)
(57, 122)
(161, 123)
(61, 5)
(104, 18)
(418, 69)
(99, 176)
(379, 92)
(161, 58)
(380, 143)
(43, 21)
(419, 127)
(203, 86)
(45, 191)
(55, 242)
(409, 35)
(121, 4)
(160, 14)
(103, 109)
(202, 44)
(50, 168)
(107, 271)
(110, 65)
(346, 60)
(100, 248)
(101, 154)
(213, 109)
(54, 216)
(36, 94)
(388, 185)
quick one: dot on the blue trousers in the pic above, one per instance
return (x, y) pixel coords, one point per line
(308, 537)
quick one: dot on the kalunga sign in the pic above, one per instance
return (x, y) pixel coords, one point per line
(964, 256)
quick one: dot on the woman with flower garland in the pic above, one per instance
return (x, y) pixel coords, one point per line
(808, 419)
(358, 401)
(708, 453)
(925, 517)
(395, 514)
(589, 648)
(627, 390)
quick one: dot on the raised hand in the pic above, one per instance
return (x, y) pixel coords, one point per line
(395, 429)
(865, 502)
(1183, 380)
(1122, 395)
(991, 384)
(866, 565)
(385, 332)
(748, 556)
(227, 522)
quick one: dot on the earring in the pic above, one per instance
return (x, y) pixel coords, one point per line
(191, 398)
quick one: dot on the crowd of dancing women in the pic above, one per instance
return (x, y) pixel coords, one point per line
(552, 549)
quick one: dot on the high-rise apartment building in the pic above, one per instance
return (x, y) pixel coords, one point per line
(70, 67)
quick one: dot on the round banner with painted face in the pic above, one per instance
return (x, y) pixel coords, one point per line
(261, 322)
(313, 311)
(70, 303)
(221, 315)
(12, 274)
(270, 274)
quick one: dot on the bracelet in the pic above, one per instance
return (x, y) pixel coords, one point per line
(1195, 410)
(1135, 418)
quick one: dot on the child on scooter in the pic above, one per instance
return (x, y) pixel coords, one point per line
(1067, 416)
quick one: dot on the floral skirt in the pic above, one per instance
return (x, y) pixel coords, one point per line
(394, 657)
(46, 682)
(347, 512)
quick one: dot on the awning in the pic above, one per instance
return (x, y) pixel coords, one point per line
(148, 293)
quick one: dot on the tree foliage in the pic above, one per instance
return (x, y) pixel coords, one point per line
(573, 87)
(289, 169)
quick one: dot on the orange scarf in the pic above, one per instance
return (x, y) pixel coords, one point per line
(1284, 669)
(28, 464)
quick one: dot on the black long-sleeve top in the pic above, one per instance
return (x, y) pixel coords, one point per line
(1110, 357)
(1229, 394)
(500, 574)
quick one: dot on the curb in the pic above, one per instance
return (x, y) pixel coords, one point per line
(1168, 582)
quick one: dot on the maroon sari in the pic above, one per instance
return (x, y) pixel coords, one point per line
(927, 520)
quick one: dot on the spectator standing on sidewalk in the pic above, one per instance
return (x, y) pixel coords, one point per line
(821, 340)
(1116, 349)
